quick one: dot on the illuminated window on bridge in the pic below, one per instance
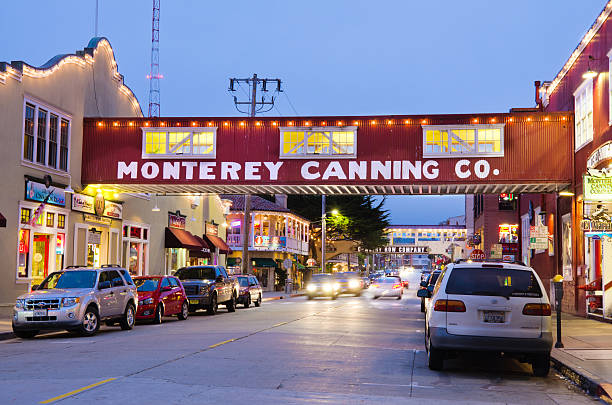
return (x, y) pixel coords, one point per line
(463, 140)
(336, 142)
(179, 142)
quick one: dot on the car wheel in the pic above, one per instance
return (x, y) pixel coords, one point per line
(128, 318)
(422, 305)
(213, 306)
(435, 357)
(91, 322)
(25, 334)
(247, 302)
(541, 365)
(231, 304)
(258, 302)
(184, 311)
(159, 313)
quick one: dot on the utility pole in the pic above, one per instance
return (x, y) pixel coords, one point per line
(96, 25)
(255, 107)
(154, 76)
(323, 232)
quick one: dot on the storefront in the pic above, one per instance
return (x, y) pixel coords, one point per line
(509, 240)
(182, 248)
(97, 230)
(597, 228)
(218, 245)
(265, 271)
(42, 232)
(135, 251)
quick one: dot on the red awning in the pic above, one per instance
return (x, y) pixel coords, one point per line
(2, 221)
(218, 242)
(204, 252)
(179, 238)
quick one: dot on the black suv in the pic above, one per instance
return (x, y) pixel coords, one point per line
(207, 287)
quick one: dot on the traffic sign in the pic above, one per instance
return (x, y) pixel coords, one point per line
(477, 254)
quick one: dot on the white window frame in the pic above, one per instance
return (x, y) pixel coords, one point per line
(60, 115)
(128, 239)
(305, 154)
(167, 130)
(609, 87)
(475, 153)
(582, 91)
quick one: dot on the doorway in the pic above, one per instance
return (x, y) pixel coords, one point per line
(40, 257)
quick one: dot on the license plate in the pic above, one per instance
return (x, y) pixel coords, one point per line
(494, 316)
(40, 312)
(194, 302)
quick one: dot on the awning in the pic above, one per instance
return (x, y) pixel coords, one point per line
(179, 238)
(218, 242)
(234, 261)
(2, 221)
(263, 262)
(204, 252)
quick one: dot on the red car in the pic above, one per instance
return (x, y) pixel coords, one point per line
(160, 296)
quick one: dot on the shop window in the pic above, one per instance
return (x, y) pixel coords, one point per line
(507, 201)
(50, 219)
(24, 217)
(145, 234)
(40, 219)
(126, 229)
(463, 140)
(23, 261)
(179, 142)
(135, 232)
(583, 110)
(60, 245)
(40, 136)
(508, 233)
(61, 221)
(326, 141)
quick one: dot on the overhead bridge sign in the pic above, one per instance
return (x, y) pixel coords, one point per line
(408, 250)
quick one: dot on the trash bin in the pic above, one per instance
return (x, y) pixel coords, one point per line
(288, 286)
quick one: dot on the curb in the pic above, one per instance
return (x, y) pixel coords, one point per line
(585, 380)
(6, 335)
(280, 297)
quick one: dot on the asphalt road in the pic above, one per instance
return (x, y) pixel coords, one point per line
(352, 350)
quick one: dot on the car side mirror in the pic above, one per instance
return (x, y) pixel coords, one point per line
(103, 285)
(424, 283)
(166, 288)
(35, 287)
(423, 293)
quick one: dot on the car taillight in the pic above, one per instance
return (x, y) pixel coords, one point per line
(397, 286)
(536, 309)
(449, 306)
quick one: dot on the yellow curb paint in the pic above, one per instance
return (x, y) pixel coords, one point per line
(220, 343)
(48, 401)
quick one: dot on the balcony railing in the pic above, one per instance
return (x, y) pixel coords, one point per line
(270, 243)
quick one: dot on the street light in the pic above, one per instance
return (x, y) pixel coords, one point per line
(335, 212)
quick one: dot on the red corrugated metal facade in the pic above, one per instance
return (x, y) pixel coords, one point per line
(537, 147)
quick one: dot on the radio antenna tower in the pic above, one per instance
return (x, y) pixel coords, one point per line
(154, 76)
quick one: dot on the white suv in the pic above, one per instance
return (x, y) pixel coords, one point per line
(489, 307)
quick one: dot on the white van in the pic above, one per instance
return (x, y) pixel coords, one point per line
(489, 307)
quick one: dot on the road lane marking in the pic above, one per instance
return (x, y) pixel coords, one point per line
(48, 401)
(220, 343)
(279, 324)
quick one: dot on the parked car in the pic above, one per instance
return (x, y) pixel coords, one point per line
(250, 290)
(489, 307)
(207, 287)
(322, 285)
(77, 300)
(160, 296)
(349, 283)
(428, 284)
(390, 286)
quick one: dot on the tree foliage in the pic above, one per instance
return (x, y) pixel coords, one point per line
(360, 218)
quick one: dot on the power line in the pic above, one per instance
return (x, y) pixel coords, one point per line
(290, 103)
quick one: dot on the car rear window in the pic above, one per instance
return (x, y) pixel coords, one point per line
(495, 282)
(243, 281)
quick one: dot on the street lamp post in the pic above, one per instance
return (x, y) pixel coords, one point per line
(323, 233)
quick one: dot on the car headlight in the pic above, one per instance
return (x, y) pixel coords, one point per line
(203, 289)
(311, 287)
(353, 284)
(148, 301)
(336, 286)
(20, 304)
(327, 287)
(70, 301)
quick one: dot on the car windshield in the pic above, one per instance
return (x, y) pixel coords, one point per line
(498, 282)
(434, 277)
(70, 279)
(146, 284)
(317, 278)
(196, 273)
(243, 281)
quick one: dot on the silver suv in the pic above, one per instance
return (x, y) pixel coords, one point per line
(77, 299)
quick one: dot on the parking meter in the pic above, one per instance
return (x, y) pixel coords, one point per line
(558, 286)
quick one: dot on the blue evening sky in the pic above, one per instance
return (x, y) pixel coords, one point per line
(335, 57)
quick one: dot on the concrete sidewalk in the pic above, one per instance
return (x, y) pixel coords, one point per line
(279, 295)
(586, 358)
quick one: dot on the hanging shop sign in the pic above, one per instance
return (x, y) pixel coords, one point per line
(212, 229)
(538, 237)
(97, 206)
(271, 242)
(94, 236)
(176, 220)
(597, 188)
(39, 192)
(604, 152)
(96, 219)
(595, 225)
(410, 250)
(496, 251)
